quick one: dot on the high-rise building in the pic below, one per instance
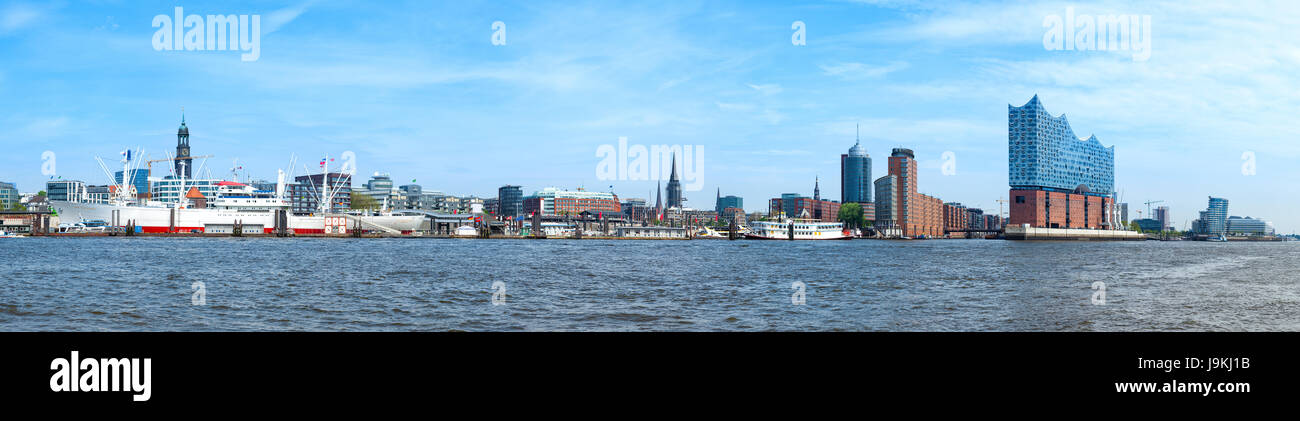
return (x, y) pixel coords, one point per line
(1162, 215)
(183, 164)
(887, 201)
(511, 200)
(855, 175)
(1214, 220)
(899, 204)
(675, 198)
(1057, 180)
(1123, 213)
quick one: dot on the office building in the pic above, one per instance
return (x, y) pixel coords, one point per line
(8, 195)
(725, 202)
(305, 193)
(855, 175)
(137, 180)
(899, 203)
(511, 200)
(1248, 226)
(1214, 219)
(1162, 215)
(65, 190)
(554, 201)
(1148, 225)
(955, 216)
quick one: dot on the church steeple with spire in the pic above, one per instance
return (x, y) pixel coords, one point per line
(674, 187)
(817, 189)
(184, 165)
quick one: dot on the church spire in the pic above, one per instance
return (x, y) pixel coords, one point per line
(817, 189)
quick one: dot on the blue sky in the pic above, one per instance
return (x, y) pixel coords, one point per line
(418, 90)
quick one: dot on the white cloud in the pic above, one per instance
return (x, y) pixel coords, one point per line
(17, 16)
(858, 71)
(278, 18)
(766, 89)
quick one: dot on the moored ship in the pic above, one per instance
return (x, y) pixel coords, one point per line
(797, 229)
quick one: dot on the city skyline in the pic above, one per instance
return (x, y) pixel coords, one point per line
(441, 104)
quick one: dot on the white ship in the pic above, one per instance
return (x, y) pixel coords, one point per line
(797, 229)
(235, 203)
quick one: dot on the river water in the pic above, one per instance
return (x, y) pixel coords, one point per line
(325, 284)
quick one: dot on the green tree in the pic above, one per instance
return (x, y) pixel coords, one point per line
(851, 215)
(363, 201)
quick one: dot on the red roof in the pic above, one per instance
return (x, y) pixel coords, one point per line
(230, 183)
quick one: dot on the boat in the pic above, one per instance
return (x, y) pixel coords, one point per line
(7, 234)
(797, 229)
(1219, 239)
(234, 204)
(465, 231)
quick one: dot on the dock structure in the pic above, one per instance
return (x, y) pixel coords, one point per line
(1031, 233)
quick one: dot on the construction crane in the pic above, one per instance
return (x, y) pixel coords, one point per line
(150, 162)
(1000, 203)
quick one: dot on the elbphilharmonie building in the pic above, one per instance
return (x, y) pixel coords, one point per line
(1057, 179)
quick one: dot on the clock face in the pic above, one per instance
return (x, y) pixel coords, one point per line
(185, 151)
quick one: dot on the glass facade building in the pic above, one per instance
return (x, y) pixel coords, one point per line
(1215, 218)
(511, 200)
(65, 190)
(855, 175)
(1249, 226)
(725, 202)
(8, 195)
(1044, 153)
(138, 178)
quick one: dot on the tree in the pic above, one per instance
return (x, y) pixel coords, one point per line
(41, 193)
(363, 201)
(851, 215)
